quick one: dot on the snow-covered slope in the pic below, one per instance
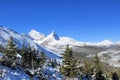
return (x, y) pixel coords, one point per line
(8, 74)
(6, 33)
(110, 56)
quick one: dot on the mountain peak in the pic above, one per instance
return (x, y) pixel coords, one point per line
(53, 32)
(54, 35)
(36, 35)
(106, 42)
(33, 31)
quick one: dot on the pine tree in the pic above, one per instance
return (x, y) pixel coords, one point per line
(10, 58)
(23, 49)
(98, 69)
(99, 76)
(22, 52)
(27, 56)
(87, 67)
(42, 59)
(11, 49)
(69, 68)
(11, 52)
(2, 49)
(54, 63)
(110, 72)
(115, 76)
(97, 64)
(32, 58)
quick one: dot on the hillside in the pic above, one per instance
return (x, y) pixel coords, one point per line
(18, 72)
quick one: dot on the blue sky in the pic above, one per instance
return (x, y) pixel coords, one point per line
(83, 20)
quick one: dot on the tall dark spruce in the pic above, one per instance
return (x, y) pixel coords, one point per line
(11, 52)
(69, 68)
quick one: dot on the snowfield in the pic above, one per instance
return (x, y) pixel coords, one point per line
(8, 74)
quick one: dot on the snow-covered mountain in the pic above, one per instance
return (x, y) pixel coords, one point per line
(50, 38)
(6, 33)
(58, 44)
(85, 49)
(36, 35)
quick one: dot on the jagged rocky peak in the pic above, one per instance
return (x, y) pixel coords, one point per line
(54, 35)
(36, 35)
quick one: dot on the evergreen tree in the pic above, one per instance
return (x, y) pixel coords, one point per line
(32, 58)
(110, 72)
(42, 59)
(27, 56)
(87, 67)
(69, 68)
(11, 52)
(99, 76)
(98, 69)
(118, 71)
(96, 64)
(22, 52)
(115, 76)
(54, 63)
(2, 49)
(11, 49)
(23, 49)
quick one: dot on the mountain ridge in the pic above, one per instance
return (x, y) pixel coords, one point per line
(105, 49)
(105, 42)
(6, 33)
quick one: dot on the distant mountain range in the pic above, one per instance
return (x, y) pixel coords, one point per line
(54, 46)
(107, 50)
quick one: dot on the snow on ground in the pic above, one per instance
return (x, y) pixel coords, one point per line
(6, 33)
(49, 53)
(110, 56)
(53, 74)
(8, 74)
